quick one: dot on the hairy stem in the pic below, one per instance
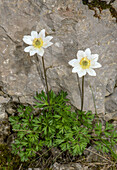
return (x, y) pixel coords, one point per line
(82, 97)
(93, 100)
(44, 69)
(79, 86)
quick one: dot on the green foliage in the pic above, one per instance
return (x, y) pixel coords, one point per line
(27, 140)
(105, 138)
(56, 125)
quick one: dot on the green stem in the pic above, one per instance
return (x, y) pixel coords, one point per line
(82, 97)
(44, 69)
(79, 86)
(93, 100)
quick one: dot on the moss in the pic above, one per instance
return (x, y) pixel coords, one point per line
(101, 5)
(8, 161)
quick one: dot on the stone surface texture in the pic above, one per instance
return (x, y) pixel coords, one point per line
(73, 27)
(72, 166)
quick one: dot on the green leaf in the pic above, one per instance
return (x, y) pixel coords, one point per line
(76, 150)
(57, 116)
(107, 134)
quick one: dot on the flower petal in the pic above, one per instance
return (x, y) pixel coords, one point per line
(27, 40)
(34, 34)
(80, 55)
(47, 39)
(42, 34)
(94, 57)
(27, 49)
(91, 72)
(88, 52)
(81, 72)
(95, 64)
(33, 51)
(47, 44)
(40, 51)
(75, 69)
(73, 63)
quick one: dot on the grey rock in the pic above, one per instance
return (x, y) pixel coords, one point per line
(111, 116)
(4, 125)
(72, 166)
(15, 99)
(4, 100)
(73, 27)
(111, 103)
(110, 87)
(4, 129)
(3, 114)
(10, 108)
(114, 117)
(114, 4)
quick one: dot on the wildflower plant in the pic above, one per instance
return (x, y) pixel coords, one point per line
(52, 122)
(85, 63)
(37, 42)
(56, 125)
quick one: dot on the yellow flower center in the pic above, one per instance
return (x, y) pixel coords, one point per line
(85, 63)
(38, 42)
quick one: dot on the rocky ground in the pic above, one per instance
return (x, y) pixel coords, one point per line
(74, 25)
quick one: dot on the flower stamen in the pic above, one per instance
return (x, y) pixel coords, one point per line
(38, 42)
(85, 63)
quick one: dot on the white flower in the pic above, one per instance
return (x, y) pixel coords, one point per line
(85, 63)
(37, 42)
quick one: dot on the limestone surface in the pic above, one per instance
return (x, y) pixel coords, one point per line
(73, 27)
